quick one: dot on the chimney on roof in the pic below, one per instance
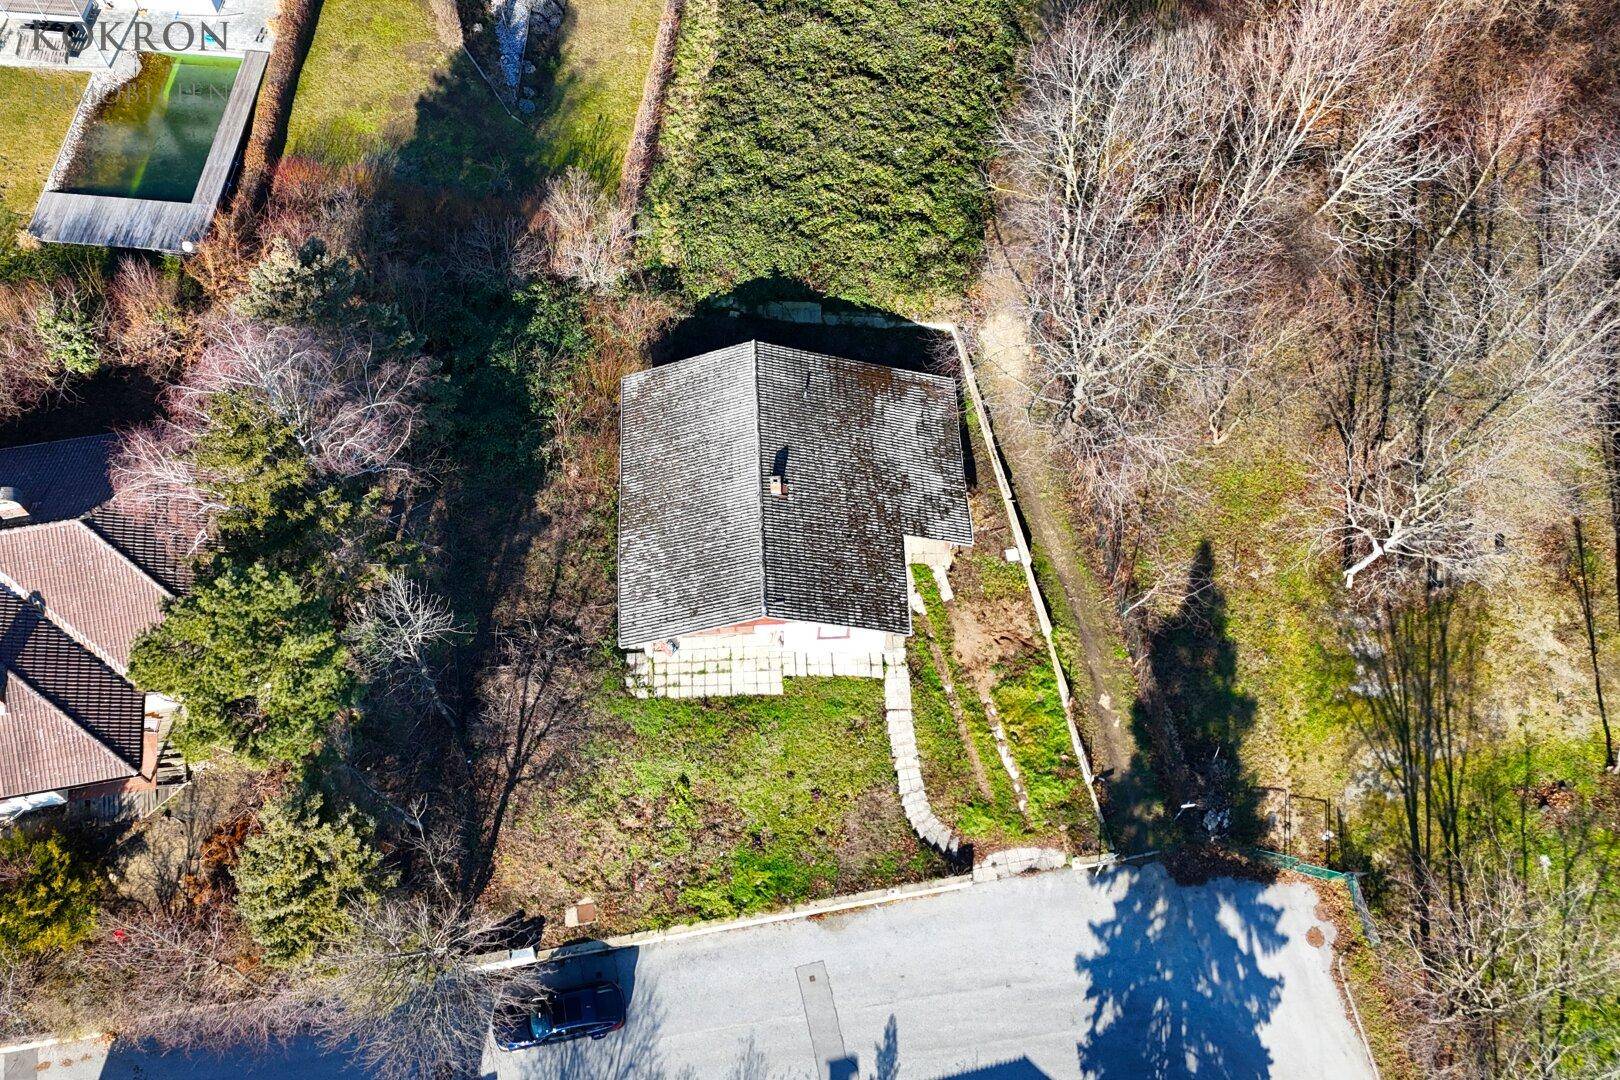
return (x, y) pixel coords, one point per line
(11, 507)
(779, 484)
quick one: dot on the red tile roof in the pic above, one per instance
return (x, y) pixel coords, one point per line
(87, 587)
(42, 748)
(41, 659)
(79, 580)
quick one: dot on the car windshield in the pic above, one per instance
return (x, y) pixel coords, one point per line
(539, 1025)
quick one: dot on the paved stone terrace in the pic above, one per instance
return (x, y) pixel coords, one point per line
(733, 670)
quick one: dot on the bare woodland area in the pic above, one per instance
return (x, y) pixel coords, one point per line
(1376, 244)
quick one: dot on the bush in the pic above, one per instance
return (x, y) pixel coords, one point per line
(298, 877)
(838, 142)
(69, 335)
(254, 656)
(47, 901)
(307, 286)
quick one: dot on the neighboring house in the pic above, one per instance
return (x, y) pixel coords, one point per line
(769, 502)
(79, 580)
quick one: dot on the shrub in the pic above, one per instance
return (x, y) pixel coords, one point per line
(298, 877)
(842, 143)
(147, 316)
(69, 335)
(47, 900)
(27, 373)
(309, 285)
(254, 656)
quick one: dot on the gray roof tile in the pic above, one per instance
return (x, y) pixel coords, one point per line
(870, 454)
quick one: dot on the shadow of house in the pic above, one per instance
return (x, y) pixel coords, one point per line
(780, 311)
(1016, 1069)
(1191, 717)
(886, 1065)
(788, 313)
(1174, 987)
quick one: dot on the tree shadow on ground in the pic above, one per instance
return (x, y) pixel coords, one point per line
(1191, 718)
(462, 137)
(1173, 987)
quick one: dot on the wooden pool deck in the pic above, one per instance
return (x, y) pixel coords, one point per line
(62, 217)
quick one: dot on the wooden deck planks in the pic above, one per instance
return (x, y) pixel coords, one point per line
(109, 221)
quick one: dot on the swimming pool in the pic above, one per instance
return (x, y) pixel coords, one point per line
(151, 137)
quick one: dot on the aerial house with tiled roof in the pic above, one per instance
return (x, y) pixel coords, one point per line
(770, 501)
(80, 579)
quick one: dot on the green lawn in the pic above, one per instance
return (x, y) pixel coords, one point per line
(841, 144)
(35, 110)
(705, 809)
(380, 81)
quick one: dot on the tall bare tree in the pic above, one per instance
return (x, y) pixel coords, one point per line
(351, 412)
(1163, 185)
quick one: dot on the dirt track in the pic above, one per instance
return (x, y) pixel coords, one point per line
(1002, 363)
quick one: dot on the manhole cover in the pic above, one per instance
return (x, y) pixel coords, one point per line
(1316, 938)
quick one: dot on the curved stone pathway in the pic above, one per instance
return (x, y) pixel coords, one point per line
(907, 763)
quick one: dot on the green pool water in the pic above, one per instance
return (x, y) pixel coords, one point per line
(149, 140)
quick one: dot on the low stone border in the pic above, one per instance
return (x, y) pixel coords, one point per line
(1043, 615)
(101, 86)
(907, 762)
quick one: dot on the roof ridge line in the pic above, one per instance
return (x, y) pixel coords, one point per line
(95, 738)
(48, 698)
(78, 636)
(90, 527)
(759, 489)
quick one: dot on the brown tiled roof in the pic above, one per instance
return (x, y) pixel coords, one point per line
(79, 579)
(159, 542)
(871, 454)
(42, 749)
(85, 585)
(78, 687)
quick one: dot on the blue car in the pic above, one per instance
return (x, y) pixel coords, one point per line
(583, 1012)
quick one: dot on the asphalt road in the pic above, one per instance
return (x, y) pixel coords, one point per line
(1065, 974)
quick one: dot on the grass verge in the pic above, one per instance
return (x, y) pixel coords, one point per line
(1023, 689)
(381, 81)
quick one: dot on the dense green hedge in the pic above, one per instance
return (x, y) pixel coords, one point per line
(838, 142)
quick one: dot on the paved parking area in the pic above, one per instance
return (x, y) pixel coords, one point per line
(1118, 976)
(1066, 974)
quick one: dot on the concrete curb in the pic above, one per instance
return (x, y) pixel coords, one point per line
(50, 1041)
(831, 906)
(1014, 862)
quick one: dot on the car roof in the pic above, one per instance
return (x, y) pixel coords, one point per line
(586, 1004)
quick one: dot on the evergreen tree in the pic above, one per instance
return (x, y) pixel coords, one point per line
(310, 285)
(254, 657)
(298, 877)
(69, 336)
(47, 901)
